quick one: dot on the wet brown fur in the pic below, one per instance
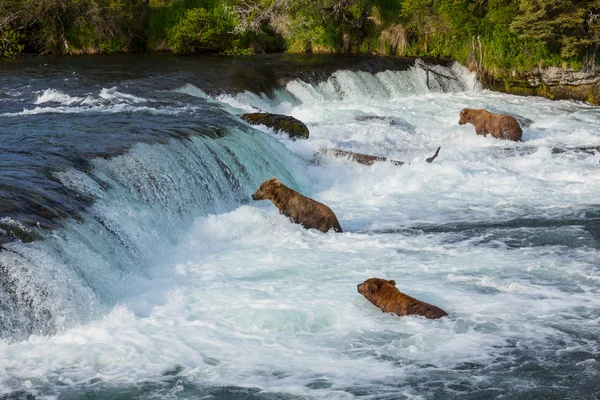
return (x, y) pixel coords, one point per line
(500, 126)
(300, 209)
(388, 298)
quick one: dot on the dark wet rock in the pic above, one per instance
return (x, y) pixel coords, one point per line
(367, 159)
(19, 395)
(389, 120)
(11, 231)
(591, 150)
(319, 384)
(174, 371)
(523, 121)
(281, 123)
(212, 361)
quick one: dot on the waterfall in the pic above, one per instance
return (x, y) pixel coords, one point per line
(140, 203)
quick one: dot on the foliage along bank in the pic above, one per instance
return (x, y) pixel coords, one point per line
(506, 41)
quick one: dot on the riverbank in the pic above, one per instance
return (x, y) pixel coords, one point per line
(516, 46)
(553, 83)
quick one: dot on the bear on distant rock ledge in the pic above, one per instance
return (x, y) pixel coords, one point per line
(300, 209)
(500, 126)
(389, 299)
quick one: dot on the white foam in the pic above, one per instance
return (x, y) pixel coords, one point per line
(247, 298)
(114, 96)
(255, 301)
(56, 96)
(109, 100)
(110, 109)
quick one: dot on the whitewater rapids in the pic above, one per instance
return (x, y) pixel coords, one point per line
(241, 303)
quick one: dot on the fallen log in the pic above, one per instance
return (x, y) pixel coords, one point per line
(367, 159)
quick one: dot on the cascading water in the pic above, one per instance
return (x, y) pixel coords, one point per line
(152, 275)
(138, 204)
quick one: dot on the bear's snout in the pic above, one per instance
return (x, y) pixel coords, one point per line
(258, 195)
(359, 288)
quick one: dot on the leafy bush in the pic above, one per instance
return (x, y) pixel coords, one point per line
(202, 30)
(110, 46)
(514, 34)
(10, 43)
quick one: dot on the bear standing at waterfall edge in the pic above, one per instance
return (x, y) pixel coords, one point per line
(500, 126)
(300, 209)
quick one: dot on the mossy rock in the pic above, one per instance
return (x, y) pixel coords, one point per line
(280, 123)
(10, 232)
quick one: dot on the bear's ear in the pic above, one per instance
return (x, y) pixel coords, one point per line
(392, 282)
(275, 181)
(373, 287)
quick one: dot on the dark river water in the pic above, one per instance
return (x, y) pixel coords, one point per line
(134, 264)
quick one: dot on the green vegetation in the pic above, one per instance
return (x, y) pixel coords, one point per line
(488, 35)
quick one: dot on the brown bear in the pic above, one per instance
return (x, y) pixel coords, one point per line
(500, 126)
(300, 209)
(388, 298)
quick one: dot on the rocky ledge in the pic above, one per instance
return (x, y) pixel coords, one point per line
(552, 82)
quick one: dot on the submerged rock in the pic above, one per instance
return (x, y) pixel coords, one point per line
(11, 230)
(523, 121)
(281, 123)
(389, 120)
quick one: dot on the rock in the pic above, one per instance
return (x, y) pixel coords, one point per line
(12, 230)
(281, 123)
(551, 82)
(523, 121)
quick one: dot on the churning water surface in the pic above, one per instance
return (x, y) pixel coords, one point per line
(135, 265)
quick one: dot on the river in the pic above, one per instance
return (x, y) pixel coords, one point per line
(134, 263)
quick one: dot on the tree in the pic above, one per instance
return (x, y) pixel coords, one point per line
(568, 27)
(202, 30)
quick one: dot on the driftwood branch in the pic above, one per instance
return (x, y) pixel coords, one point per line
(419, 63)
(367, 159)
(433, 157)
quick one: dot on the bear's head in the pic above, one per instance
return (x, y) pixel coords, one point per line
(371, 287)
(266, 189)
(465, 116)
